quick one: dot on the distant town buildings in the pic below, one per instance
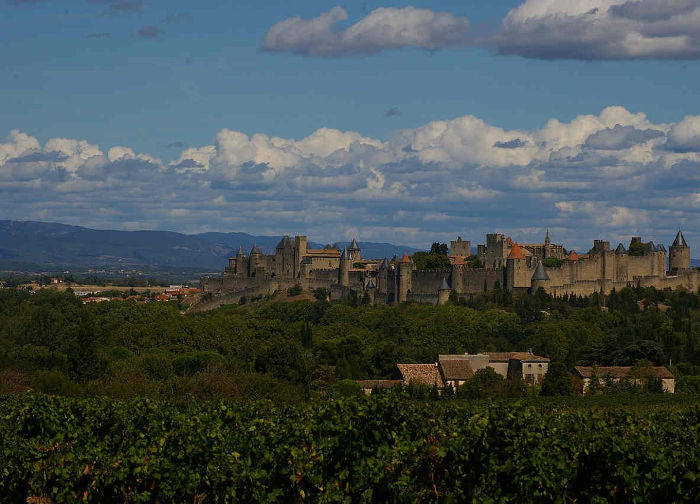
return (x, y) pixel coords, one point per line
(499, 263)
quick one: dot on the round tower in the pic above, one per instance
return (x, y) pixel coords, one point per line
(540, 278)
(405, 272)
(344, 268)
(679, 254)
(354, 250)
(443, 292)
(253, 260)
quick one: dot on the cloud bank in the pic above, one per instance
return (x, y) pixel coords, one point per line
(383, 28)
(545, 29)
(602, 29)
(609, 175)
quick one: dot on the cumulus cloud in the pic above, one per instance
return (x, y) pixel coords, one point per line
(593, 176)
(383, 28)
(602, 29)
(620, 137)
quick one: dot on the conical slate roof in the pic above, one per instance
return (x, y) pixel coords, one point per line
(679, 241)
(353, 245)
(660, 247)
(240, 250)
(620, 249)
(385, 264)
(540, 273)
(650, 247)
(370, 284)
(344, 255)
(255, 250)
(443, 285)
(283, 242)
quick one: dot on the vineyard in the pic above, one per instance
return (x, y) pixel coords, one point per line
(385, 448)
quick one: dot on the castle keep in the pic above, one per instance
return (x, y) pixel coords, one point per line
(502, 263)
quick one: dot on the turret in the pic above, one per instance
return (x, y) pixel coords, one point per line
(383, 276)
(344, 268)
(254, 260)
(354, 250)
(443, 292)
(679, 254)
(405, 273)
(516, 267)
(540, 278)
(370, 290)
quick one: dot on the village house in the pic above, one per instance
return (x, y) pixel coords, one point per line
(617, 373)
(455, 369)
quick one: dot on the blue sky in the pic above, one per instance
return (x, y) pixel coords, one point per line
(156, 78)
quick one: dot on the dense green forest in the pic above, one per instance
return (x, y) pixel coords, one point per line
(53, 343)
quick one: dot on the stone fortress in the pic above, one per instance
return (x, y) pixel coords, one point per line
(502, 263)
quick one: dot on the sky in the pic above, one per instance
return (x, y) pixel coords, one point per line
(386, 121)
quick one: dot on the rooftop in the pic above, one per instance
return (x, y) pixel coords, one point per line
(427, 374)
(619, 371)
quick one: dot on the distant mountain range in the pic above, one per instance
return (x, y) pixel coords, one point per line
(26, 245)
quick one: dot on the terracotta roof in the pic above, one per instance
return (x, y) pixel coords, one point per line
(619, 371)
(405, 259)
(323, 253)
(456, 369)
(370, 384)
(516, 252)
(457, 260)
(427, 374)
(506, 356)
(572, 256)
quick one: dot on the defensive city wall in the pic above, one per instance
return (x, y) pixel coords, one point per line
(499, 263)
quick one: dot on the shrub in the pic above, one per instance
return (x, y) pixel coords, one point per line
(294, 290)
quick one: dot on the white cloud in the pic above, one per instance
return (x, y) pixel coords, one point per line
(383, 28)
(614, 170)
(602, 29)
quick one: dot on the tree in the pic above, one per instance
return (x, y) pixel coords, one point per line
(438, 248)
(486, 382)
(557, 381)
(306, 335)
(636, 248)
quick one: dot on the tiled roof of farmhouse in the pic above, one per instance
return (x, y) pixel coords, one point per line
(427, 374)
(455, 369)
(680, 240)
(619, 371)
(572, 256)
(370, 384)
(516, 252)
(405, 259)
(505, 356)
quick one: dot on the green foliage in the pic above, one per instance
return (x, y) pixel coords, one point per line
(378, 449)
(438, 248)
(636, 248)
(426, 261)
(552, 262)
(295, 290)
(190, 363)
(485, 383)
(474, 262)
(320, 294)
(557, 381)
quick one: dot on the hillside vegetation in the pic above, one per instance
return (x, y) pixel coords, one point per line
(53, 343)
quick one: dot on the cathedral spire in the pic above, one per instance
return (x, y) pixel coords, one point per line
(546, 237)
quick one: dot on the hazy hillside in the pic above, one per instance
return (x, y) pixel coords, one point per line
(26, 243)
